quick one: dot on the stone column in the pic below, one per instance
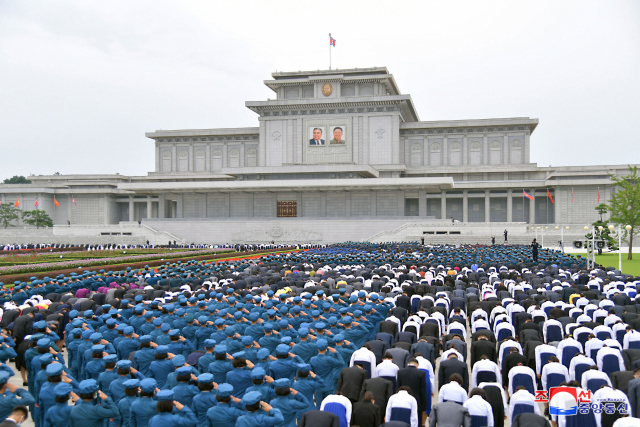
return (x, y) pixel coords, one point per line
(179, 206)
(191, 159)
(131, 209)
(422, 203)
(509, 205)
(532, 207)
(161, 201)
(149, 207)
(443, 204)
(401, 203)
(557, 204)
(174, 159)
(465, 205)
(487, 206)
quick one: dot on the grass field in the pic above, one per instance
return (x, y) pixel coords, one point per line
(611, 260)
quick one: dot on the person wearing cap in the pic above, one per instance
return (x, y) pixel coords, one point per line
(270, 340)
(262, 383)
(110, 373)
(286, 363)
(203, 332)
(328, 364)
(125, 372)
(306, 348)
(162, 366)
(46, 395)
(93, 369)
(129, 344)
(224, 414)
(255, 330)
(240, 375)
(144, 407)
(88, 414)
(306, 383)
(264, 360)
(131, 389)
(221, 365)
(167, 417)
(289, 401)
(259, 413)
(205, 399)
(144, 356)
(208, 357)
(184, 392)
(179, 344)
(58, 415)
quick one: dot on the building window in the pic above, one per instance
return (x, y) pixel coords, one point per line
(516, 152)
(435, 154)
(183, 161)
(216, 160)
(166, 161)
(234, 158)
(456, 154)
(496, 153)
(291, 93)
(252, 158)
(348, 90)
(200, 161)
(287, 209)
(416, 155)
(366, 90)
(475, 153)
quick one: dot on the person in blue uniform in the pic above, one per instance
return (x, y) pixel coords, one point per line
(162, 366)
(204, 361)
(264, 360)
(93, 369)
(46, 397)
(179, 344)
(128, 344)
(125, 372)
(240, 376)
(224, 414)
(286, 364)
(205, 399)
(144, 407)
(143, 357)
(88, 414)
(307, 383)
(131, 389)
(185, 392)
(259, 413)
(306, 348)
(328, 364)
(12, 396)
(109, 375)
(289, 401)
(221, 365)
(59, 414)
(262, 383)
(167, 417)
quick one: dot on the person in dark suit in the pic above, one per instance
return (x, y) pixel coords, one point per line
(416, 380)
(350, 381)
(514, 358)
(317, 137)
(483, 347)
(18, 416)
(366, 413)
(449, 414)
(381, 389)
(319, 419)
(453, 366)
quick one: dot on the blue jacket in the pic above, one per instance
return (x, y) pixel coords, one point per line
(290, 406)
(58, 415)
(182, 418)
(201, 404)
(261, 418)
(86, 414)
(223, 415)
(142, 410)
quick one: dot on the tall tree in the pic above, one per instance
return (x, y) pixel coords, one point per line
(17, 180)
(625, 205)
(38, 218)
(8, 214)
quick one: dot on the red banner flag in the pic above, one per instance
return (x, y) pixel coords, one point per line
(549, 195)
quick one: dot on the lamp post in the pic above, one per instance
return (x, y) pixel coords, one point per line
(586, 229)
(611, 228)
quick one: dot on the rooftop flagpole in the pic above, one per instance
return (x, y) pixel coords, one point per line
(330, 50)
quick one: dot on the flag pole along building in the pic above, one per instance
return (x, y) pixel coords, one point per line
(336, 155)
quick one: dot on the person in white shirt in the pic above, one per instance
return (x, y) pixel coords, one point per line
(484, 365)
(522, 397)
(579, 359)
(608, 394)
(521, 370)
(342, 400)
(631, 338)
(594, 374)
(363, 354)
(446, 354)
(611, 367)
(387, 368)
(478, 407)
(402, 406)
(453, 391)
(425, 365)
(554, 367)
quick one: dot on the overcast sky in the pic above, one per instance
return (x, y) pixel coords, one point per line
(82, 81)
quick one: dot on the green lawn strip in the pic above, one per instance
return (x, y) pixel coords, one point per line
(611, 260)
(239, 255)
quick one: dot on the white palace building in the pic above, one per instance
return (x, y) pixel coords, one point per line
(336, 155)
